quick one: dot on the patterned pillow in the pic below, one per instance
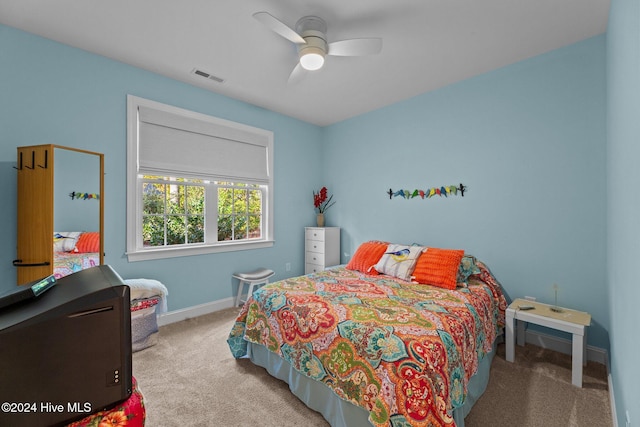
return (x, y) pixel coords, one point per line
(467, 268)
(438, 267)
(366, 257)
(399, 261)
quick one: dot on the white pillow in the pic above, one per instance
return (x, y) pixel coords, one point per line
(399, 261)
(65, 241)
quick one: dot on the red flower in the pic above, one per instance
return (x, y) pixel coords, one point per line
(114, 419)
(320, 200)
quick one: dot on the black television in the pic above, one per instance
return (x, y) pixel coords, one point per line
(67, 352)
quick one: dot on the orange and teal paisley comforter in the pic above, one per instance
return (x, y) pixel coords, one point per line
(404, 352)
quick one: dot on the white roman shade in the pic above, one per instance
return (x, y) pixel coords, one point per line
(172, 142)
(201, 146)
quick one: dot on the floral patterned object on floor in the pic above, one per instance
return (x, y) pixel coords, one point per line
(130, 413)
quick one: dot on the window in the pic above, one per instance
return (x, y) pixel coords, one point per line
(172, 211)
(196, 184)
(239, 211)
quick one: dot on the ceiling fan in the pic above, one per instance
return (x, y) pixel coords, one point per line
(310, 37)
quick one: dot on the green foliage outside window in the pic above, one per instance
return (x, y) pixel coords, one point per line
(239, 212)
(174, 212)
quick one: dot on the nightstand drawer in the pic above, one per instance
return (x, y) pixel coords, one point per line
(314, 258)
(312, 268)
(316, 234)
(314, 246)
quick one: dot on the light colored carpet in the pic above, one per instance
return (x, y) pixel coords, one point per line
(190, 379)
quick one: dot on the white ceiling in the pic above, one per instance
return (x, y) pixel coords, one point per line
(427, 44)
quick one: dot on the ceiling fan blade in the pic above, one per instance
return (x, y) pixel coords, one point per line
(296, 75)
(355, 47)
(277, 26)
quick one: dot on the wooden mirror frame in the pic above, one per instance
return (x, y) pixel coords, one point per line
(35, 165)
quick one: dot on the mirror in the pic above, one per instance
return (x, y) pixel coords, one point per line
(60, 211)
(77, 210)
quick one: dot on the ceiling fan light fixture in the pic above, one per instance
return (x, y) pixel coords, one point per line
(310, 36)
(312, 58)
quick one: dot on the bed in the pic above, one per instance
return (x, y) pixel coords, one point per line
(364, 348)
(74, 251)
(65, 263)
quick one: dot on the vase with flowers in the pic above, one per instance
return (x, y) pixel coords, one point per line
(322, 201)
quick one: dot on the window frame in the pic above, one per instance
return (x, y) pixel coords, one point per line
(135, 249)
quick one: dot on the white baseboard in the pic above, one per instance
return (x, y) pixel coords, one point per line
(612, 400)
(194, 311)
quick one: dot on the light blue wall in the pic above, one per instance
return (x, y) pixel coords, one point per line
(527, 140)
(52, 93)
(623, 172)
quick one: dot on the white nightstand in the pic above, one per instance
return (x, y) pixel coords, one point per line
(572, 321)
(322, 248)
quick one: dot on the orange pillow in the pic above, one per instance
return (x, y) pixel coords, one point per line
(88, 242)
(438, 267)
(367, 255)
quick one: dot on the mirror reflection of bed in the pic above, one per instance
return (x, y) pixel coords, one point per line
(60, 211)
(75, 251)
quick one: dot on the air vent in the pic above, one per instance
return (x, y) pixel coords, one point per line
(207, 75)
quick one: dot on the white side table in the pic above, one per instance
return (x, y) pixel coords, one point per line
(572, 321)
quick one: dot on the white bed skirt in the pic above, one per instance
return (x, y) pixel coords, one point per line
(338, 412)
